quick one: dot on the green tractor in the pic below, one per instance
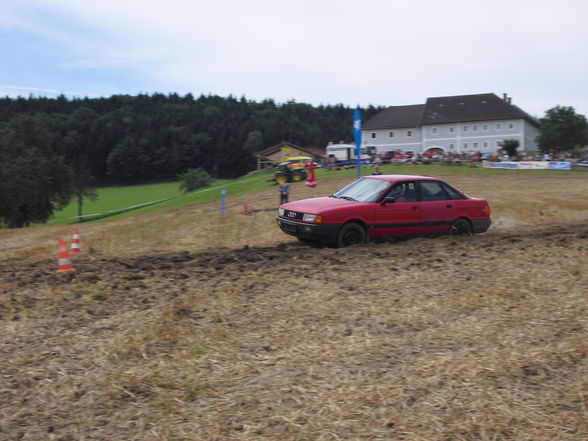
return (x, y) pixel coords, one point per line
(293, 170)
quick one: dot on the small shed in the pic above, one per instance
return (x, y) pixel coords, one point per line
(272, 156)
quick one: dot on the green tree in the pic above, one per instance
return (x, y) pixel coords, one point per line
(129, 162)
(509, 146)
(254, 142)
(193, 179)
(34, 179)
(562, 129)
(78, 143)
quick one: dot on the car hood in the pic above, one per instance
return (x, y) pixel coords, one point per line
(317, 205)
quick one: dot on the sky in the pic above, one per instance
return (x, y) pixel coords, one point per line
(365, 52)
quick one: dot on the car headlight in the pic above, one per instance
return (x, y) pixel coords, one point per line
(314, 218)
(280, 211)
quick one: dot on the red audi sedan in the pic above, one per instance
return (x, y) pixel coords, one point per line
(385, 205)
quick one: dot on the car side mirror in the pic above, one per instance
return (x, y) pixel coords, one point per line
(388, 200)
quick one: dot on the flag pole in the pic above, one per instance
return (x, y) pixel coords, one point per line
(357, 136)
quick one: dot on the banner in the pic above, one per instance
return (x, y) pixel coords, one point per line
(562, 165)
(529, 165)
(357, 136)
(488, 164)
(533, 165)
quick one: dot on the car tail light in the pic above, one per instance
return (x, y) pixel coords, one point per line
(486, 210)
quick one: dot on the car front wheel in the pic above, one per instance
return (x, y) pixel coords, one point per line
(460, 227)
(351, 234)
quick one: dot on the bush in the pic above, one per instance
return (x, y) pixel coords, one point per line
(193, 179)
(510, 146)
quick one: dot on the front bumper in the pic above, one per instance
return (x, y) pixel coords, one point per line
(314, 232)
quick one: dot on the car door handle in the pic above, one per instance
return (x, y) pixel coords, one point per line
(449, 205)
(415, 207)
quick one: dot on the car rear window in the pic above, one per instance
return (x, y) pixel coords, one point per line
(433, 191)
(452, 193)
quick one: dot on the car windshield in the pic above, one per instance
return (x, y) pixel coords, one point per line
(363, 190)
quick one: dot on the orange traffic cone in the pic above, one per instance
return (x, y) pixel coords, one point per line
(75, 242)
(64, 263)
(245, 210)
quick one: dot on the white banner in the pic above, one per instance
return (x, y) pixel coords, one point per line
(529, 165)
(533, 165)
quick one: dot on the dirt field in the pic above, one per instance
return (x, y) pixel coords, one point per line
(192, 325)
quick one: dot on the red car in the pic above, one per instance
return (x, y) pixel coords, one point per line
(385, 205)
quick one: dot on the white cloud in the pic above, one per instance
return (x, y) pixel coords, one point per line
(374, 51)
(14, 91)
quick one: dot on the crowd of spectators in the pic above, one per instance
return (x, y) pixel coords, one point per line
(471, 158)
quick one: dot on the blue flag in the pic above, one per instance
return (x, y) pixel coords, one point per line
(357, 136)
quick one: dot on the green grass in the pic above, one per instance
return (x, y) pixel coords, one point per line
(114, 198)
(118, 198)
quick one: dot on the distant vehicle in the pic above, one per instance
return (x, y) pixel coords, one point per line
(346, 154)
(385, 205)
(293, 169)
(298, 161)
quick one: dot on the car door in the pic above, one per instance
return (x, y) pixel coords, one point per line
(401, 217)
(438, 210)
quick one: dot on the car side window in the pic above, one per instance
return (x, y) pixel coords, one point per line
(404, 192)
(433, 191)
(452, 193)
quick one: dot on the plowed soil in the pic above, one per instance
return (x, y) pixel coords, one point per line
(192, 325)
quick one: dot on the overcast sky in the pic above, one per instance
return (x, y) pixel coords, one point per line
(314, 51)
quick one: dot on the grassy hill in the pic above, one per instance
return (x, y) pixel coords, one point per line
(141, 199)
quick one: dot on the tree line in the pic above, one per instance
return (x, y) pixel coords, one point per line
(56, 149)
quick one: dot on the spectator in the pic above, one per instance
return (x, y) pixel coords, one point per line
(284, 190)
(376, 164)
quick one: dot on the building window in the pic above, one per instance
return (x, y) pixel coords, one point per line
(510, 125)
(475, 128)
(451, 129)
(465, 145)
(485, 144)
(434, 130)
(498, 126)
(409, 133)
(475, 145)
(465, 128)
(373, 135)
(391, 134)
(451, 146)
(498, 143)
(485, 127)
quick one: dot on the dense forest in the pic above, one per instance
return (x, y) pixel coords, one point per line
(133, 139)
(59, 148)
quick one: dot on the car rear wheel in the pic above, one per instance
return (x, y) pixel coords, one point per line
(461, 227)
(351, 234)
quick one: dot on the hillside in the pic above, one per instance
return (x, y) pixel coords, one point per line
(192, 325)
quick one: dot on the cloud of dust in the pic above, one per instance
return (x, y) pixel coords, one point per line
(503, 223)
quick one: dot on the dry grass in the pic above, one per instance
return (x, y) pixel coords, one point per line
(192, 325)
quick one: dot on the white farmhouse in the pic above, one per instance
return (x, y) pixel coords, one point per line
(466, 123)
